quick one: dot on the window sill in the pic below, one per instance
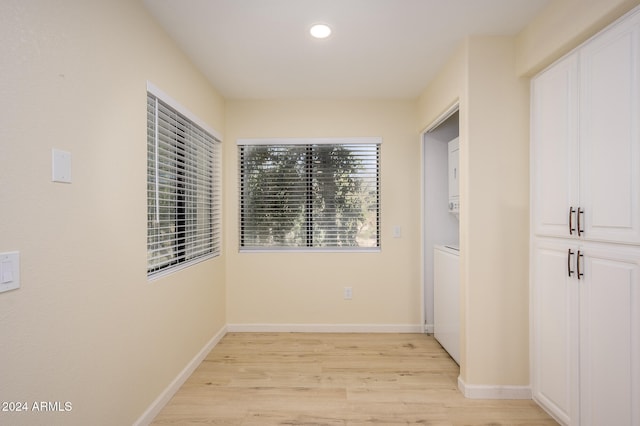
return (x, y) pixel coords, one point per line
(310, 250)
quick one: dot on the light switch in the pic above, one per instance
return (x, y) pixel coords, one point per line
(61, 166)
(397, 232)
(6, 269)
(9, 271)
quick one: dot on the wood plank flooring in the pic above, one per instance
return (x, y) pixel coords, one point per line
(334, 379)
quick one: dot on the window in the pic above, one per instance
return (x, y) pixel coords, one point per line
(183, 187)
(309, 194)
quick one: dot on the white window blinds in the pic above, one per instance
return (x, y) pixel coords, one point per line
(183, 189)
(309, 194)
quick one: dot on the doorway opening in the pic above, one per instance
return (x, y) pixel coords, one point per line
(440, 217)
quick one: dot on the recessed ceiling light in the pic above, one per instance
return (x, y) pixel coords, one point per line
(320, 31)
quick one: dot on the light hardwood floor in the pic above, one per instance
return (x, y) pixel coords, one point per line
(334, 379)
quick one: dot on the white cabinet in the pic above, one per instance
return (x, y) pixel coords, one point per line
(585, 147)
(609, 148)
(554, 148)
(454, 175)
(585, 224)
(554, 314)
(609, 336)
(586, 332)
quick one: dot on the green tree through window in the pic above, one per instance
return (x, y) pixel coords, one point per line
(309, 195)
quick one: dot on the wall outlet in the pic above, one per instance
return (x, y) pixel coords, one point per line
(61, 166)
(348, 293)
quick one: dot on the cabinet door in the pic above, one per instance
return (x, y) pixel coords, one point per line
(609, 134)
(554, 339)
(610, 337)
(554, 149)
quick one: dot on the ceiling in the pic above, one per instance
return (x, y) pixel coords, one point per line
(386, 49)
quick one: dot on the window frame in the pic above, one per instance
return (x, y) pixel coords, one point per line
(309, 142)
(184, 227)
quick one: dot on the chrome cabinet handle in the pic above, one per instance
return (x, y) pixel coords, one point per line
(569, 254)
(571, 228)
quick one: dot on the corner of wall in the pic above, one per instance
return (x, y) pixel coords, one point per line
(562, 26)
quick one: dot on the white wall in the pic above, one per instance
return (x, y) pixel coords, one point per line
(86, 326)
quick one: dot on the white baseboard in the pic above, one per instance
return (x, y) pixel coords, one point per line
(428, 328)
(159, 403)
(494, 391)
(325, 328)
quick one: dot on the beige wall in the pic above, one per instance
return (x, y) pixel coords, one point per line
(307, 288)
(448, 87)
(482, 75)
(86, 326)
(561, 26)
(495, 225)
(494, 205)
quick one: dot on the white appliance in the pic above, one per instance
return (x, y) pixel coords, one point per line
(446, 298)
(454, 176)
